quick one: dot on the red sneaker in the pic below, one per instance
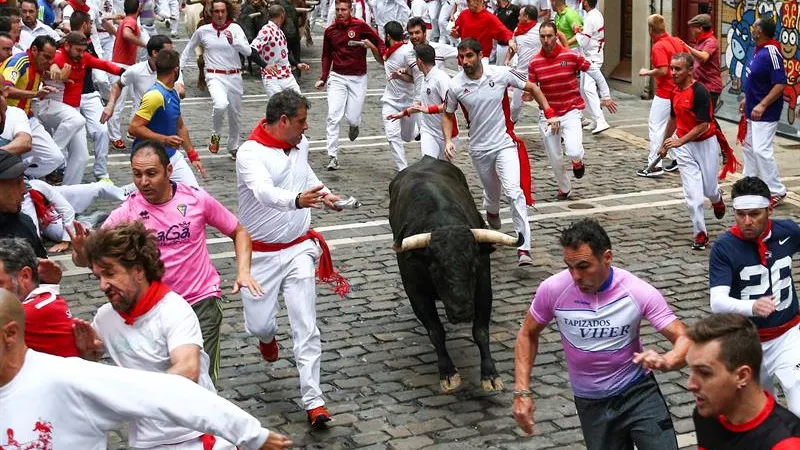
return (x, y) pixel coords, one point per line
(318, 417)
(269, 351)
(119, 144)
(775, 200)
(719, 209)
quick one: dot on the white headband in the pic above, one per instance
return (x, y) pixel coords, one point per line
(750, 202)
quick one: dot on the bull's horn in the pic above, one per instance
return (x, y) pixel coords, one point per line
(254, 15)
(414, 242)
(484, 236)
(304, 10)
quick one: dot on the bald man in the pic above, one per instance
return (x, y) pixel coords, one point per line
(71, 403)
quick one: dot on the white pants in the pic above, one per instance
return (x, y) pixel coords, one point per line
(433, 13)
(194, 444)
(656, 126)
(69, 133)
(592, 99)
(500, 169)
(273, 85)
(443, 20)
(91, 109)
(170, 9)
(226, 95)
(80, 197)
(44, 152)
(181, 171)
(346, 95)
(289, 272)
(759, 155)
(698, 163)
(572, 133)
(500, 53)
(397, 132)
(781, 360)
(516, 103)
(431, 145)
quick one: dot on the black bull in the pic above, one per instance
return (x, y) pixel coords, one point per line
(443, 253)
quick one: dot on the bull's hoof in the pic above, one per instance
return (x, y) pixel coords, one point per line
(492, 385)
(449, 384)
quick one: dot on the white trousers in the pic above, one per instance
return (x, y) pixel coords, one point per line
(346, 95)
(431, 145)
(698, 163)
(759, 155)
(91, 109)
(114, 132)
(781, 360)
(194, 444)
(170, 9)
(656, 126)
(272, 85)
(44, 152)
(433, 13)
(500, 52)
(443, 20)
(80, 197)
(572, 133)
(290, 273)
(69, 133)
(181, 171)
(226, 95)
(500, 169)
(592, 98)
(516, 103)
(397, 132)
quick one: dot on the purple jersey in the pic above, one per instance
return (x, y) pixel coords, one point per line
(600, 332)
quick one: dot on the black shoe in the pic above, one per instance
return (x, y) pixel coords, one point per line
(646, 172)
(671, 167)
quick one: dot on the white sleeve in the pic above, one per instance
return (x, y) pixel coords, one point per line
(722, 302)
(448, 52)
(166, 397)
(18, 120)
(188, 51)
(602, 85)
(181, 326)
(257, 178)
(240, 40)
(312, 180)
(513, 77)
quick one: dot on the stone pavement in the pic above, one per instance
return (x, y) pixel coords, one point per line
(378, 367)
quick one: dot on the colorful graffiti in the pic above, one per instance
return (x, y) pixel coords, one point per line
(738, 17)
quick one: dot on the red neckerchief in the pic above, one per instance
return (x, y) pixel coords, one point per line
(82, 8)
(261, 136)
(762, 247)
(392, 49)
(154, 294)
(705, 35)
(222, 28)
(556, 51)
(523, 28)
(31, 62)
(44, 208)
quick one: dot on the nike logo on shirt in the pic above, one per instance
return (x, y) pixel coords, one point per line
(783, 241)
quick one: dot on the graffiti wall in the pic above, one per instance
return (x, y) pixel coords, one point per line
(737, 47)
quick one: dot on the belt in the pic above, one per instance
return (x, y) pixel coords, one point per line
(225, 72)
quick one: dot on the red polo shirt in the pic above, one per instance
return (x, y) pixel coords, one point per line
(48, 323)
(555, 74)
(664, 46)
(347, 60)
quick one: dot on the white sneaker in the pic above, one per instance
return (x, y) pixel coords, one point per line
(601, 126)
(333, 163)
(587, 124)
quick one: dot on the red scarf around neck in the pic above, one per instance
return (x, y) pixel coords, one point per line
(261, 136)
(762, 247)
(705, 35)
(523, 28)
(78, 7)
(222, 28)
(393, 48)
(44, 208)
(154, 294)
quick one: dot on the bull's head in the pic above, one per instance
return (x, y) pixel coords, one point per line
(457, 257)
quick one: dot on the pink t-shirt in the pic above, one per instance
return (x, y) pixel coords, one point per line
(600, 332)
(180, 226)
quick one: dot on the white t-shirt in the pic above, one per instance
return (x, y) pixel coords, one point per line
(528, 45)
(70, 403)
(434, 89)
(27, 34)
(146, 345)
(419, 8)
(483, 101)
(16, 122)
(443, 52)
(398, 93)
(140, 78)
(219, 53)
(592, 37)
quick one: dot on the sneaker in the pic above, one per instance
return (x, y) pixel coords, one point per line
(561, 195)
(333, 163)
(213, 145)
(56, 177)
(578, 169)
(105, 179)
(646, 172)
(175, 35)
(318, 417)
(700, 241)
(119, 144)
(167, 23)
(719, 208)
(671, 167)
(587, 124)
(524, 258)
(494, 221)
(232, 154)
(601, 127)
(269, 351)
(353, 133)
(776, 199)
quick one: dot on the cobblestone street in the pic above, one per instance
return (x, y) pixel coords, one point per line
(379, 368)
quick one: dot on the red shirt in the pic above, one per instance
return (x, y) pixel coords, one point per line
(125, 52)
(690, 107)
(48, 323)
(73, 91)
(556, 75)
(708, 72)
(664, 47)
(347, 60)
(483, 26)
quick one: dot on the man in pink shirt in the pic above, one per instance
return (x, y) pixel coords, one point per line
(599, 309)
(178, 214)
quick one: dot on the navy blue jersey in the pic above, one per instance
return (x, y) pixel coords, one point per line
(735, 262)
